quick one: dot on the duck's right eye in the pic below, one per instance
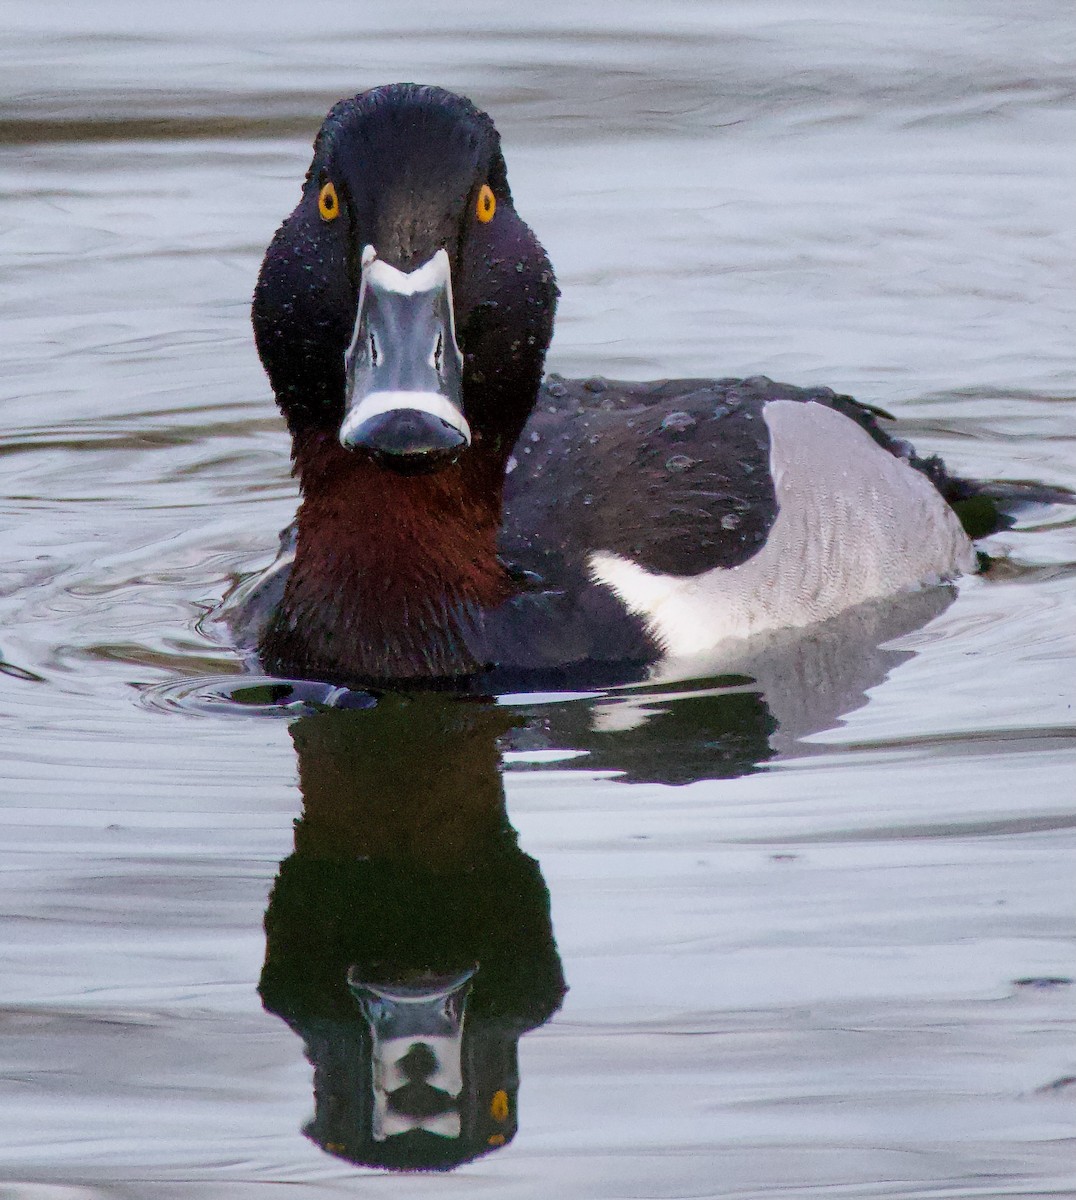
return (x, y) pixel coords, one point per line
(328, 202)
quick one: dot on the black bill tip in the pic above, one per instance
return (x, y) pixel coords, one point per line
(407, 440)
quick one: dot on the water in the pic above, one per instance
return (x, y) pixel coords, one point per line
(816, 929)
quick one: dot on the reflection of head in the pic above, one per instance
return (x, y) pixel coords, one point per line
(408, 938)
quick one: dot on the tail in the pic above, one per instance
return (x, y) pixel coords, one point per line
(989, 505)
(983, 507)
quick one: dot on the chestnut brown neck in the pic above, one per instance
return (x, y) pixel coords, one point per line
(413, 781)
(392, 572)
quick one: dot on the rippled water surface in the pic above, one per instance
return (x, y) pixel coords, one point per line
(815, 916)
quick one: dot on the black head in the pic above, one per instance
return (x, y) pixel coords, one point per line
(357, 307)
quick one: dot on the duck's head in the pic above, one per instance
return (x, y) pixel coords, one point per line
(403, 309)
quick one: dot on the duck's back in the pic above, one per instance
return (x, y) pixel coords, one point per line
(713, 509)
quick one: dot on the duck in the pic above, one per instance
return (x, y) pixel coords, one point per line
(464, 517)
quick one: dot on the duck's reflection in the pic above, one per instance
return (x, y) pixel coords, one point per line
(408, 938)
(768, 697)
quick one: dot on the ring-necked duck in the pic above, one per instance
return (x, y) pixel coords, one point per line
(460, 516)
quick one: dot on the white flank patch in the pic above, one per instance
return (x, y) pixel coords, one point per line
(376, 403)
(854, 523)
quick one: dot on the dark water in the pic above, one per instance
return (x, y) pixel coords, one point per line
(815, 915)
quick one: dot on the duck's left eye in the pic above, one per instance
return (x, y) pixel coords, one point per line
(487, 204)
(328, 202)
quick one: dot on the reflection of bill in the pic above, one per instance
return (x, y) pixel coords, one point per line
(408, 938)
(416, 1035)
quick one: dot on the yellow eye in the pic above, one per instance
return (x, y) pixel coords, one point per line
(328, 203)
(487, 204)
